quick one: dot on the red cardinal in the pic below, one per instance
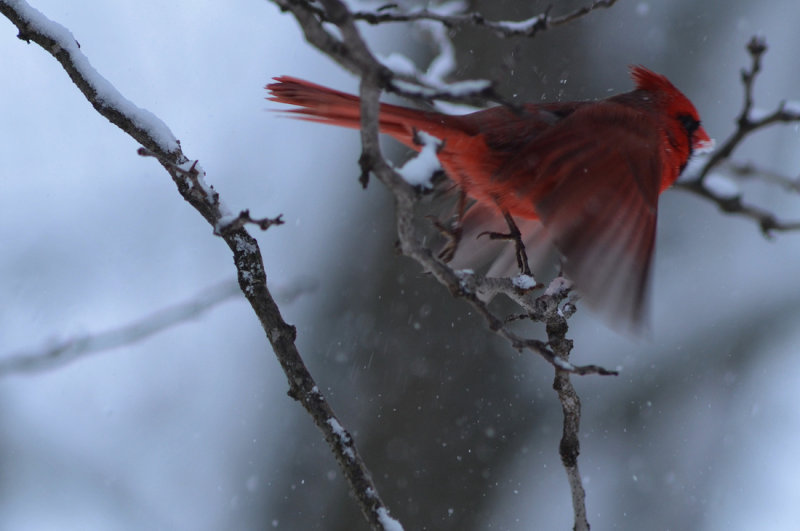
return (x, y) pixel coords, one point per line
(589, 172)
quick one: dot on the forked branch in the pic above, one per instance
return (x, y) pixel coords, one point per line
(749, 121)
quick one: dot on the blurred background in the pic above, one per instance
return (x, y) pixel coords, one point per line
(192, 429)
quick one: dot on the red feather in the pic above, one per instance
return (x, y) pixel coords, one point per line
(589, 172)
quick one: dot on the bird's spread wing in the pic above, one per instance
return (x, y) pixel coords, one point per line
(594, 183)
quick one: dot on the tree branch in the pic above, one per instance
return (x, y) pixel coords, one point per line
(360, 59)
(65, 351)
(570, 446)
(156, 137)
(552, 307)
(442, 14)
(58, 353)
(747, 123)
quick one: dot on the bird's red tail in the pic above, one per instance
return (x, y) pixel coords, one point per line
(324, 105)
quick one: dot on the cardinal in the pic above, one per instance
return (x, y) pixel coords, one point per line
(581, 177)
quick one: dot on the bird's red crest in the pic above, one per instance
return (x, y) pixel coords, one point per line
(646, 79)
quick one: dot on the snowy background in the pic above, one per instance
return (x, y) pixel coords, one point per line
(192, 428)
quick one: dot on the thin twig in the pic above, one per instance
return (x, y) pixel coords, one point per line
(524, 28)
(58, 353)
(746, 124)
(750, 170)
(767, 222)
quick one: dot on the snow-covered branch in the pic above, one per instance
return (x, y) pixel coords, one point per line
(355, 56)
(57, 40)
(159, 142)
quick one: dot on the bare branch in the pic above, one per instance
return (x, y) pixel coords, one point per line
(55, 354)
(524, 28)
(746, 124)
(749, 170)
(153, 135)
(766, 220)
(569, 447)
(233, 223)
(65, 351)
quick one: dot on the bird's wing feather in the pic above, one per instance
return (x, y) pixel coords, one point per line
(595, 184)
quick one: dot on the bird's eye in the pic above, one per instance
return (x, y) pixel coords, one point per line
(690, 124)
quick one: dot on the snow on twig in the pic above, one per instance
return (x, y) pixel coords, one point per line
(420, 170)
